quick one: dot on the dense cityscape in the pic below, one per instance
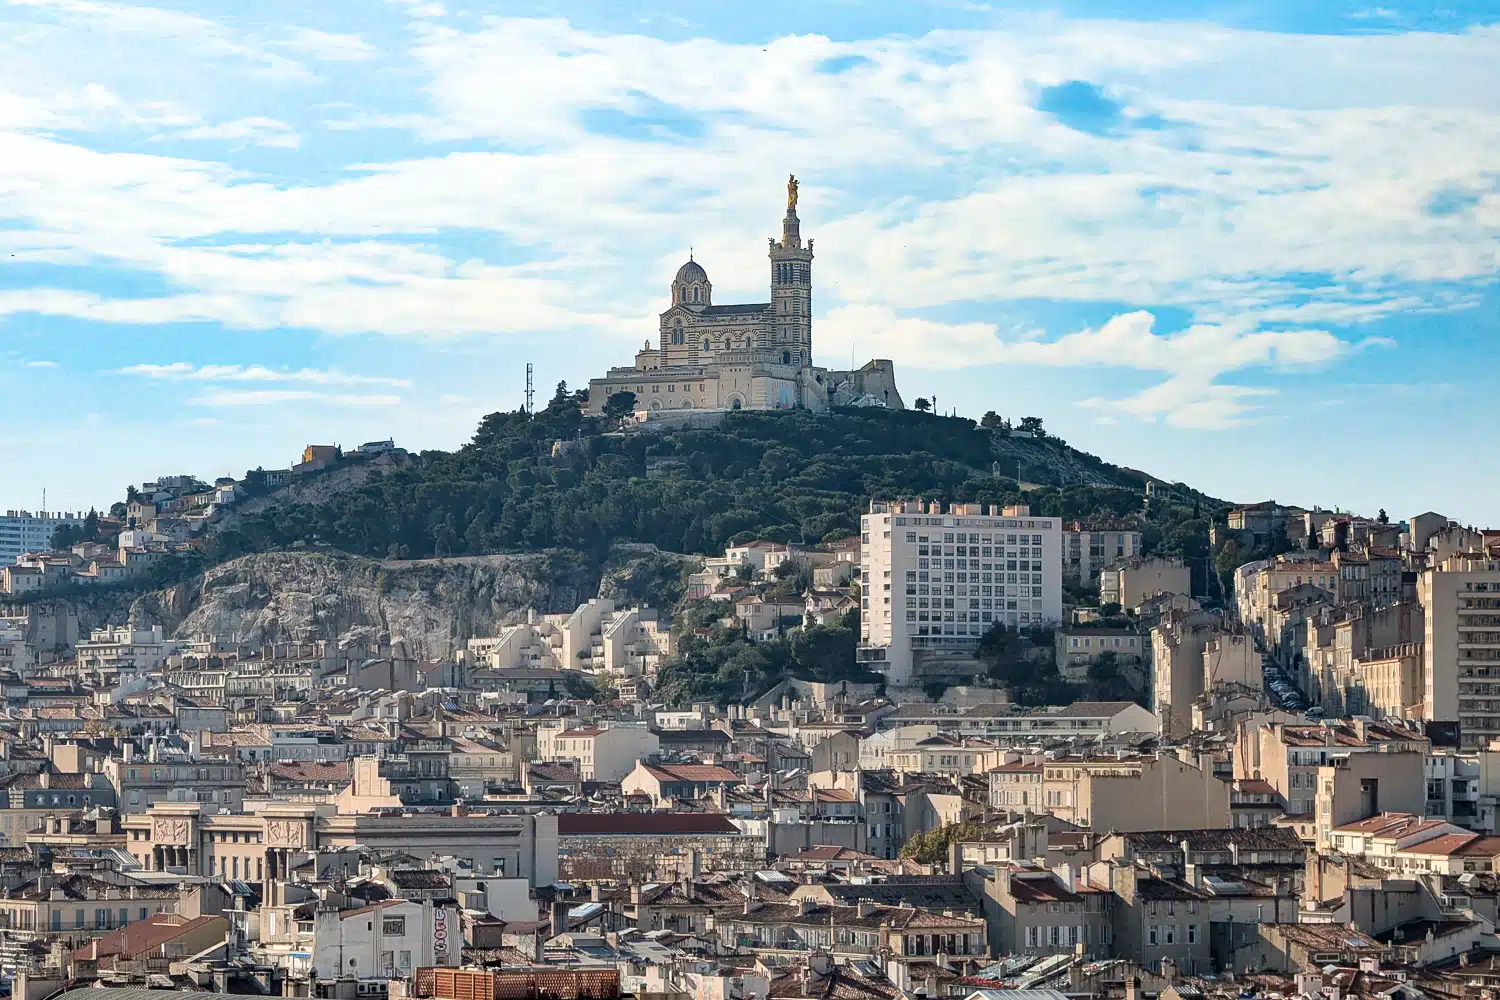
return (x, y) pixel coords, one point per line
(779, 639)
(960, 749)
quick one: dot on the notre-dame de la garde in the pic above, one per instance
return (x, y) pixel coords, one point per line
(754, 356)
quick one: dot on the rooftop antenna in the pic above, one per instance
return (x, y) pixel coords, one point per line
(530, 389)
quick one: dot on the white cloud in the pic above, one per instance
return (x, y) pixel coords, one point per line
(420, 8)
(329, 46)
(41, 364)
(182, 371)
(270, 397)
(253, 131)
(1193, 359)
(1267, 207)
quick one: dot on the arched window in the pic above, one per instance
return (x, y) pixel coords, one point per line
(695, 293)
(677, 334)
(708, 345)
(786, 357)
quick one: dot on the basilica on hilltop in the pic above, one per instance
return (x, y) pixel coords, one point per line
(752, 356)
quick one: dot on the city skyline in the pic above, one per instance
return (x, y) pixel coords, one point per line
(360, 223)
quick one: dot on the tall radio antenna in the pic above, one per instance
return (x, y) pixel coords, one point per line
(530, 390)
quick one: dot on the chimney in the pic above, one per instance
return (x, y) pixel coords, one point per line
(1075, 968)
(596, 893)
(1132, 988)
(559, 918)
(864, 908)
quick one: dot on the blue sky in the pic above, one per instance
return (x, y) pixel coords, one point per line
(1248, 245)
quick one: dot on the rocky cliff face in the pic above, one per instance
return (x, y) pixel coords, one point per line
(433, 605)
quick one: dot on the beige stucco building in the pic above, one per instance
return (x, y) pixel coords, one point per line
(188, 838)
(1127, 582)
(752, 356)
(1177, 664)
(1160, 792)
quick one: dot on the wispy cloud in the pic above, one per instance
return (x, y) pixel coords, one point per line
(271, 397)
(182, 371)
(248, 131)
(329, 46)
(955, 173)
(1194, 359)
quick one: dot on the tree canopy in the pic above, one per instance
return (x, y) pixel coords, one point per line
(553, 480)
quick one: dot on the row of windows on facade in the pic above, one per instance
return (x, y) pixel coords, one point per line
(1026, 566)
(973, 603)
(214, 836)
(104, 918)
(969, 589)
(231, 867)
(975, 626)
(1129, 642)
(973, 539)
(986, 522)
(973, 556)
(1063, 935)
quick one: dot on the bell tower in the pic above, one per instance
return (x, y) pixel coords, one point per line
(791, 289)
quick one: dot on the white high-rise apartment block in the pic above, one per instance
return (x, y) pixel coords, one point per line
(935, 578)
(23, 531)
(1460, 599)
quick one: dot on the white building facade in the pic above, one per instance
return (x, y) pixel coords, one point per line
(936, 578)
(24, 531)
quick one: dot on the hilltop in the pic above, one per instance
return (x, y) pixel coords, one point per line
(559, 480)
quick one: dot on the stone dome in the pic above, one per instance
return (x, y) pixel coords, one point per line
(691, 271)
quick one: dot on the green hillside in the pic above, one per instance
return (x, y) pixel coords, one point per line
(559, 480)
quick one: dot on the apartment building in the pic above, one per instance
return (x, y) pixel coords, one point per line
(1128, 582)
(1231, 658)
(1177, 647)
(1288, 756)
(1134, 793)
(23, 531)
(1460, 598)
(1078, 648)
(1034, 911)
(937, 577)
(1353, 787)
(1257, 586)
(605, 753)
(109, 652)
(1089, 546)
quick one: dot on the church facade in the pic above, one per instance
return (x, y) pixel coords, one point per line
(752, 356)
